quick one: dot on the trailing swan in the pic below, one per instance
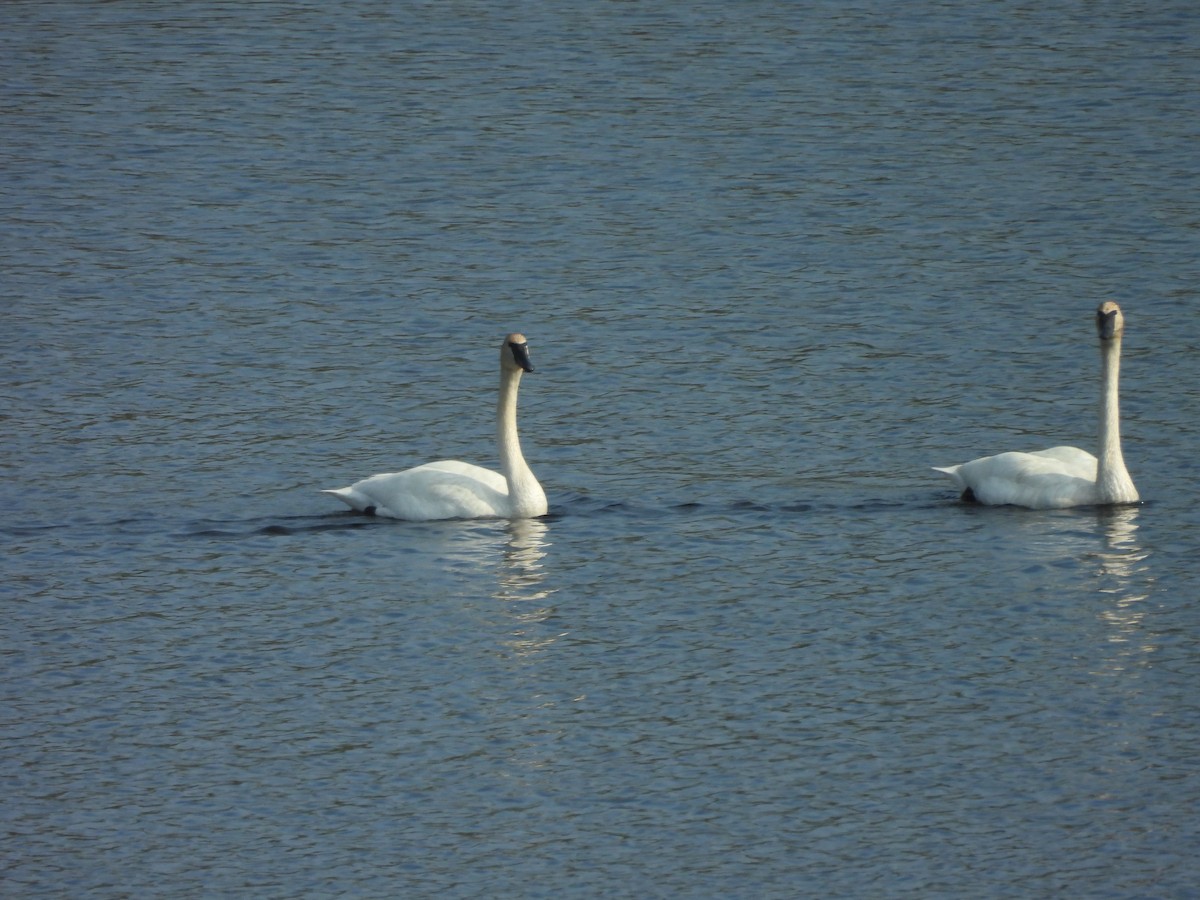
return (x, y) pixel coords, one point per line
(1062, 476)
(449, 489)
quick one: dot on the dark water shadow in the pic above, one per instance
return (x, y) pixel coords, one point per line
(574, 508)
(238, 529)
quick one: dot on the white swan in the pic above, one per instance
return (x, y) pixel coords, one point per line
(449, 489)
(1062, 476)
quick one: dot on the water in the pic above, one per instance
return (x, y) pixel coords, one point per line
(774, 260)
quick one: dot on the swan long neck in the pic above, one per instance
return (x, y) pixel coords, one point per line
(523, 489)
(1112, 478)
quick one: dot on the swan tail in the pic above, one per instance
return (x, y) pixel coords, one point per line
(350, 497)
(954, 472)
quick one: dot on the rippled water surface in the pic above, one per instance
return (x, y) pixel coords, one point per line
(774, 260)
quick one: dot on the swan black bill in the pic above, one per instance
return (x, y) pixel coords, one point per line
(1106, 322)
(520, 354)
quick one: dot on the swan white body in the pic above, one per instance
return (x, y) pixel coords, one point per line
(450, 489)
(1062, 476)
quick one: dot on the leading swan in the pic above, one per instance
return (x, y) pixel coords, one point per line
(1062, 476)
(449, 489)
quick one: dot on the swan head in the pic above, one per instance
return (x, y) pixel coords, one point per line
(514, 354)
(1109, 321)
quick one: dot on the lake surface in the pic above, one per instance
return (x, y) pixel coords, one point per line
(774, 261)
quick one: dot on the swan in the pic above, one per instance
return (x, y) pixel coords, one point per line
(450, 489)
(1061, 476)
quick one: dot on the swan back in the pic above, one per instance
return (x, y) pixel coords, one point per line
(1045, 479)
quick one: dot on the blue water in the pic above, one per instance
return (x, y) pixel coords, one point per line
(774, 260)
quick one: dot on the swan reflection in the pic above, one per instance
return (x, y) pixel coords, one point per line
(521, 586)
(522, 573)
(1126, 579)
